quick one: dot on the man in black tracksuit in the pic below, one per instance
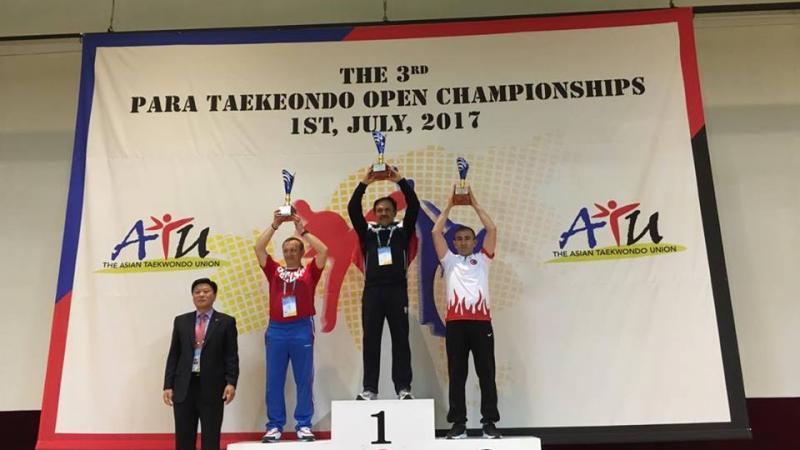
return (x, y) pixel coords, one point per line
(385, 247)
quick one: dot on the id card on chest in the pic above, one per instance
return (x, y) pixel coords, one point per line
(385, 256)
(289, 304)
(384, 249)
(196, 360)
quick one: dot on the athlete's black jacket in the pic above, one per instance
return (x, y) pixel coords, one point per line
(369, 236)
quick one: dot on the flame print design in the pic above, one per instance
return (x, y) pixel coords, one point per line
(459, 308)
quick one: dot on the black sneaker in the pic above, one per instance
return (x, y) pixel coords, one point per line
(490, 431)
(458, 431)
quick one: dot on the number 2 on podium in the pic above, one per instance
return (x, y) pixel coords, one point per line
(381, 429)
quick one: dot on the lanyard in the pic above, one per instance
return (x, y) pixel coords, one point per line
(197, 320)
(286, 275)
(293, 287)
(198, 323)
(378, 235)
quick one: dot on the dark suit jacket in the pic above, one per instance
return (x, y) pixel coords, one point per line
(219, 361)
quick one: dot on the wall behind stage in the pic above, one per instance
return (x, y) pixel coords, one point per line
(747, 64)
(38, 97)
(749, 69)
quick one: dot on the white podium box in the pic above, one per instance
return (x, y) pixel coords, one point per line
(390, 425)
(322, 444)
(401, 423)
(506, 443)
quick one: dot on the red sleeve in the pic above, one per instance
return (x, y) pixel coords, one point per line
(270, 268)
(490, 256)
(314, 272)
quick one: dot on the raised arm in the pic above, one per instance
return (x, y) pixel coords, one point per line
(490, 240)
(354, 209)
(319, 247)
(262, 241)
(437, 232)
(412, 202)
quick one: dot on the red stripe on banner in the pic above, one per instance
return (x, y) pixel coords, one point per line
(682, 16)
(108, 441)
(478, 27)
(153, 441)
(55, 364)
(691, 77)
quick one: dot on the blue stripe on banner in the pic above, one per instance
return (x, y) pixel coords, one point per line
(72, 223)
(205, 37)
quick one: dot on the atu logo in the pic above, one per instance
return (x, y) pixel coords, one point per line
(130, 253)
(612, 217)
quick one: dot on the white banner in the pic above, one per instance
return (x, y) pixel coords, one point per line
(579, 148)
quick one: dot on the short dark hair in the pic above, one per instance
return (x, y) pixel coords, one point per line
(464, 227)
(385, 199)
(204, 281)
(300, 241)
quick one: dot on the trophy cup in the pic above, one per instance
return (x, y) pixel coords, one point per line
(461, 193)
(287, 209)
(380, 170)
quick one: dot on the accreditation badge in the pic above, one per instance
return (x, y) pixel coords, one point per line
(289, 306)
(385, 256)
(196, 361)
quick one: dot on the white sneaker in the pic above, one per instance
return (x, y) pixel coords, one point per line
(405, 394)
(272, 435)
(367, 395)
(305, 434)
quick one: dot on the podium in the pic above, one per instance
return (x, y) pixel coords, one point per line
(390, 425)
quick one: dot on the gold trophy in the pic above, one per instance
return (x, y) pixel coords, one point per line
(461, 194)
(380, 170)
(287, 209)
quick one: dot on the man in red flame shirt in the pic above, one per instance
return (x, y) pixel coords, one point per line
(469, 321)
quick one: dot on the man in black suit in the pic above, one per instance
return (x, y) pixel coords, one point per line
(202, 369)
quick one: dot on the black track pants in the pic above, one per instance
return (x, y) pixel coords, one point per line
(477, 336)
(390, 303)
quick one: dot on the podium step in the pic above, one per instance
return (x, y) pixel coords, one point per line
(506, 443)
(390, 425)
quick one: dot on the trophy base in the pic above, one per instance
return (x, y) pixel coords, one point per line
(285, 212)
(461, 199)
(380, 171)
(461, 196)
